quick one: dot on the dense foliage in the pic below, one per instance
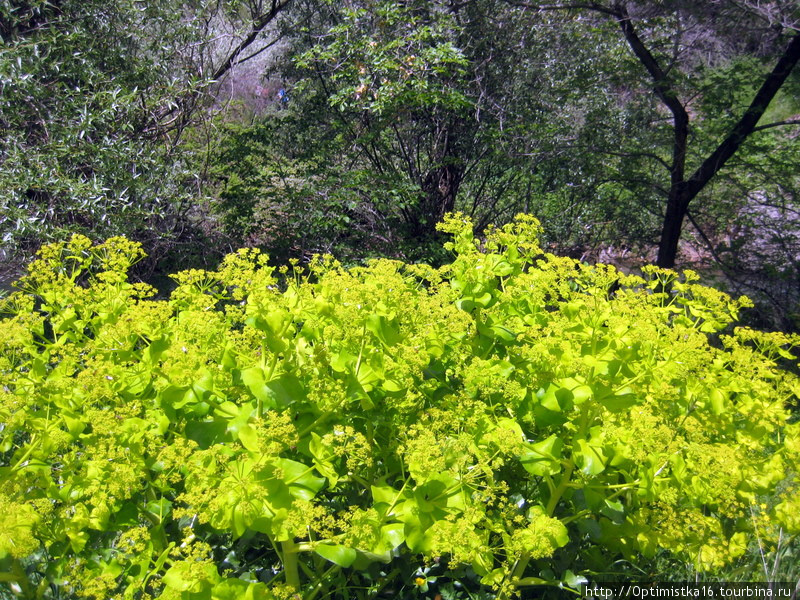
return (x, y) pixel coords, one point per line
(401, 112)
(95, 99)
(79, 92)
(511, 417)
(632, 124)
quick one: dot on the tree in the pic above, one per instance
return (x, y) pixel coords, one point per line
(612, 122)
(671, 73)
(95, 99)
(395, 85)
(400, 113)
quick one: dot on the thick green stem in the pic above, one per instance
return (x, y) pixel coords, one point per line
(361, 349)
(31, 447)
(564, 482)
(516, 573)
(322, 418)
(291, 573)
(318, 583)
(259, 401)
(519, 568)
(559, 491)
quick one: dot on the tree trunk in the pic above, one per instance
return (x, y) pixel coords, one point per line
(683, 192)
(677, 206)
(439, 189)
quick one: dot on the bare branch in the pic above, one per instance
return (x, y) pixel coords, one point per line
(177, 114)
(264, 48)
(777, 124)
(738, 283)
(258, 26)
(747, 123)
(662, 87)
(621, 154)
(593, 6)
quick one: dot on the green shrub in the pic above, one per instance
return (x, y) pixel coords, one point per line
(82, 149)
(511, 418)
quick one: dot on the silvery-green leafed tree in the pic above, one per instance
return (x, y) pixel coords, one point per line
(95, 99)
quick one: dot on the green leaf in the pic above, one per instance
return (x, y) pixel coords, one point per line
(417, 532)
(340, 555)
(274, 324)
(300, 478)
(502, 268)
(504, 334)
(227, 410)
(392, 387)
(495, 332)
(258, 591)
(239, 521)
(552, 397)
(717, 399)
(543, 458)
(64, 321)
(367, 377)
(159, 509)
(253, 379)
(228, 358)
(249, 438)
(580, 391)
(74, 425)
(230, 589)
(384, 329)
(283, 390)
(384, 494)
(574, 581)
(323, 458)
(276, 393)
(207, 433)
(614, 510)
(616, 401)
(178, 577)
(341, 362)
(392, 535)
(186, 577)
(590, 459)
(174, 397)
(156, 349)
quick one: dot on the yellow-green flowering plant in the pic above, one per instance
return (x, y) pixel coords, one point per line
(513, 417)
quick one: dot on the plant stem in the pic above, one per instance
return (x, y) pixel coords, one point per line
(516, 573)
(318, 586)
(563, 484)
(290, 571)
(559, 491)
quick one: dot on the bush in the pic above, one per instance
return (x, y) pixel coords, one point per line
(81, 147)
(508, 420)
